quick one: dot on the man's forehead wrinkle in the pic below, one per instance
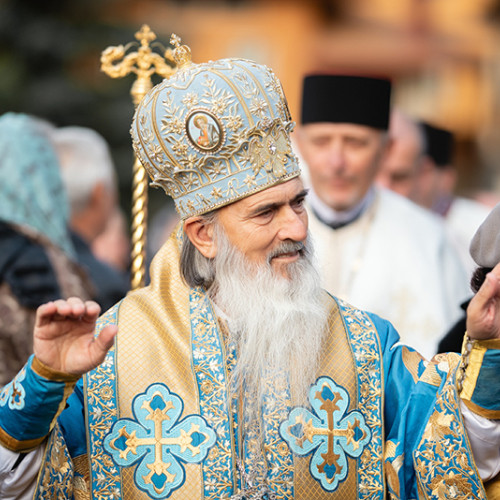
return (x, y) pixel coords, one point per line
(257, 206)
(275, 200)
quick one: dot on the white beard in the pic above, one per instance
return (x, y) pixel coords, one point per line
(276, 325)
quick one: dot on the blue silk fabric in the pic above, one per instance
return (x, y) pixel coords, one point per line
(28, 405)
(157, 419)
(487, 391)
(403, 411)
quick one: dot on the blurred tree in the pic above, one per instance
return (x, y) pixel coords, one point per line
(50, 67)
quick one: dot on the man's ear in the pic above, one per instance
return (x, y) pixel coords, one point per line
(97, 194)
(201, 235)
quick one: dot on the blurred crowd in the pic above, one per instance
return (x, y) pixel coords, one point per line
(373, 216)
(397, 244)
(62, 232)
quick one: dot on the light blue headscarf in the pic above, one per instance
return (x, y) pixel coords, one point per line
(31, 191)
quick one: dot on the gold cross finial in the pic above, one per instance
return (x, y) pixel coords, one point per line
(181, 53)
(145, 35)
(175, 40)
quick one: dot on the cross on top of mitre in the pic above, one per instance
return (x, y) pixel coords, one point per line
(181, 53)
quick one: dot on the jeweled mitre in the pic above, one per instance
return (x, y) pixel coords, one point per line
(214, 133)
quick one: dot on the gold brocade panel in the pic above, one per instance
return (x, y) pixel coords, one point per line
(154, 345)
(337, 363)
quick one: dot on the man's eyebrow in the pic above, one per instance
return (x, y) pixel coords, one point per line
(273, 206)
(302, 194)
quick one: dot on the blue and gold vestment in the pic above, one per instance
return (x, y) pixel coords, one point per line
(154, 419)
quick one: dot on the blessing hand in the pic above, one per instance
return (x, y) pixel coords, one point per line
(483, 313)
(64, 336)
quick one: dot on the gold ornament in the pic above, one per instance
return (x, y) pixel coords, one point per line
(144, 63)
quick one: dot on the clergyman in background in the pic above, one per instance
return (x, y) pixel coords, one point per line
(376, 249)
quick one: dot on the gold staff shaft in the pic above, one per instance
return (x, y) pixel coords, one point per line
(144, 63)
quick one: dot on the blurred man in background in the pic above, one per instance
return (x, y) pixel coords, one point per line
(113, 244)
(402, 163)
(376, 249)
(435, 189)
(89, 177)
(419, 166)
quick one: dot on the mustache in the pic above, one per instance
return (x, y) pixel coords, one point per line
(287, 247)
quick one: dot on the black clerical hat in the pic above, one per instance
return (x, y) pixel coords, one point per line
(346, 99)
(438, 144)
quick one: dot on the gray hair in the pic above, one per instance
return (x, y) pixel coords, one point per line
(85, 161)
(196, 269)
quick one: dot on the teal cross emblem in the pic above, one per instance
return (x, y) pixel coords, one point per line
(158, 442)
(329, 434)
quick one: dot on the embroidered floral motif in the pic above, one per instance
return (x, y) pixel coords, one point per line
(214, 111)
(13, 393)
(190, 100)
(270, 153)
(56, 476)
(102, 412)
(210, 375)
(444, 466)
(366, 350)
(279, 458)
(233, 120)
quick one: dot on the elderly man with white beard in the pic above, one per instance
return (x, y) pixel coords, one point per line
(233, 375)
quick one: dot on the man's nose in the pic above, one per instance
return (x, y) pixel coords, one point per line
(293, 225)
(336, 156)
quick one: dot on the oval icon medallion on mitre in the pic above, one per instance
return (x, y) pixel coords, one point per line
(204, 130)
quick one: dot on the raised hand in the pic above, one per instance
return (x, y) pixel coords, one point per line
(64, 336)
(483, 313)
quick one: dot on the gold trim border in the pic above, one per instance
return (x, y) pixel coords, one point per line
(50, 374)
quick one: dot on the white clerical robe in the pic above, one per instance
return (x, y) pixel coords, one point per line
(397, 261)
(462, 220)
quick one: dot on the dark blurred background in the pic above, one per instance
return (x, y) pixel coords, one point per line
(443, 56)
